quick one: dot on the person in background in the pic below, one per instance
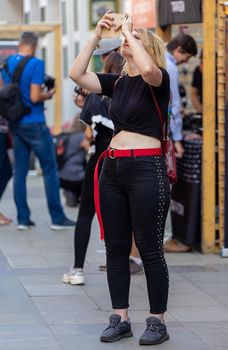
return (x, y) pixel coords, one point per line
(197, 87)
(5, 166)
(31, 133)
(72, 172)
(99, 130)
(105, 47)
(179, 50)
(134, 191)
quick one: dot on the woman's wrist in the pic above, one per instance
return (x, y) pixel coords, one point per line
(94, 40)
(96, 37)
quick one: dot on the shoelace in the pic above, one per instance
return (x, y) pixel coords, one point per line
(153, 327)
(112, 324)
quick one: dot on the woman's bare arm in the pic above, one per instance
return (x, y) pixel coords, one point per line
(143, 61)
(78, 72)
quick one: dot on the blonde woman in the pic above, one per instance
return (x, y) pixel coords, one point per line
(133, 186)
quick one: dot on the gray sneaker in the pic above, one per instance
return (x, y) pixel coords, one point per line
(155, 333)
(116, 330)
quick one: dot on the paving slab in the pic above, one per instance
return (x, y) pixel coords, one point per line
(215, 334)
(39, 312)
(199, 313)
(20, 318)
(27, 338)
(39, 290)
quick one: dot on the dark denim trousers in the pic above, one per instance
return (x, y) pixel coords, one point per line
(5, 166)
(35, 137)
(135, 197)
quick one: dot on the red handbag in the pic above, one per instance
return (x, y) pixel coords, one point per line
(167, 145)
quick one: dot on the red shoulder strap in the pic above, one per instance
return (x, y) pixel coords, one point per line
(117, 81)
(164, 134)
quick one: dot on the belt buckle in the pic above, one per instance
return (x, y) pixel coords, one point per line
(111, 153)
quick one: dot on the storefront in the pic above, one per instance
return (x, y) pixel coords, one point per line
(212, 14)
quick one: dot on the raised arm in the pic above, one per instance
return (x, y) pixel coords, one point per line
(144, 62)
(78, 72)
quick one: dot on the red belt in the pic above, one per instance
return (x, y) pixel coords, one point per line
(112, 154)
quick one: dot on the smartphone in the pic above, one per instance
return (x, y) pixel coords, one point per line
(118, 18)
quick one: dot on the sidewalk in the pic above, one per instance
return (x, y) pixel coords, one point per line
(39, 312)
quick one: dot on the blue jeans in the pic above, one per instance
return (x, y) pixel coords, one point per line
(5, 166)
(35, 137)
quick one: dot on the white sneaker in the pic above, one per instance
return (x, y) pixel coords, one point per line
(74, 276)
(26, 226)
(22, 227)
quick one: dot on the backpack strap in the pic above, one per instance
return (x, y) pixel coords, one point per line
(19, 69)
(5, 66)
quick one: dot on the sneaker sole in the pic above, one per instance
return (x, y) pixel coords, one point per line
(67, 280)
(23, 228)
(118, 337)
(61, 228)
(147, 342)
(79, 282)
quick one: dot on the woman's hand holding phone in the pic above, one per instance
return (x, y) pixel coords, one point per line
(104, 24)
(126, 24)
(112, 25)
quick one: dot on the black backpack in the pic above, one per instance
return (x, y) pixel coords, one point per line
(11, 106)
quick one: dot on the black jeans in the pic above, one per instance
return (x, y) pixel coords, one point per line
(135, 197)
(87, 207)
(85, 215)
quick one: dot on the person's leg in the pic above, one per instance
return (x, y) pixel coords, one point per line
(85, 215)
(5, 173)
(83, 225)
(78, 189)
(150, 197)
(21, 166)
(116, 218)
(134, 249)
(5, 166)
(42, 145)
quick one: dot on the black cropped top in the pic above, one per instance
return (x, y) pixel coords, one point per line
(132, 107)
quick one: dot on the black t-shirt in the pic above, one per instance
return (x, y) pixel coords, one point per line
(132, 107)
(95, 111)
(197, 82)
(95, 105)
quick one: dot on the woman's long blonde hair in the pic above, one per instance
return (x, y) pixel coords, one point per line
(154, 45)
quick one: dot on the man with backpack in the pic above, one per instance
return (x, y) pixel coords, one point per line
(30, 133)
